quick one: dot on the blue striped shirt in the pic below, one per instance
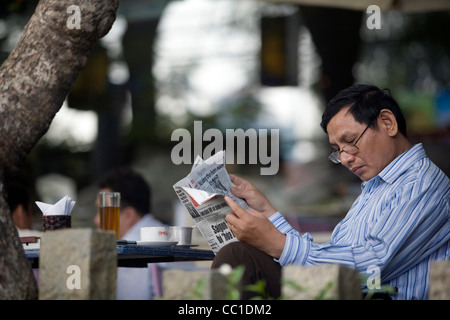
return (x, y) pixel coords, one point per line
(399, 223)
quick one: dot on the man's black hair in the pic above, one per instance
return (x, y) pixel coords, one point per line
(365, 102)
(134, 190)
(17, 194)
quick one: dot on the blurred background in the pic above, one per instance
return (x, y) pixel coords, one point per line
(238, 64)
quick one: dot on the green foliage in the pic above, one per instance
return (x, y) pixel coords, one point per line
(322, 295)
(371, 292)
(234, 279)
(383, 289)
(197, 292)
(260, 289)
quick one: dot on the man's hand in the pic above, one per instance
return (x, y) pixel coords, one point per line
(253, 227)
(254, 198)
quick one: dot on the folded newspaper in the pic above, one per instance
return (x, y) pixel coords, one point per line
(202, 193)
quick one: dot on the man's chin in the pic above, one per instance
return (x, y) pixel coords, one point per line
(363, 174)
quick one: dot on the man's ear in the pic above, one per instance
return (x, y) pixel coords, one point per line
(388, 123)
(129, 214)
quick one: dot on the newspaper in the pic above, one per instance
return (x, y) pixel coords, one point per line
(202, 193)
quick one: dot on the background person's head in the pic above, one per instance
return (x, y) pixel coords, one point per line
(19, 201)
(370, 119)
(135, 195)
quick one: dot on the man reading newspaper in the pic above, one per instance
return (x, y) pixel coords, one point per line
(399, 223)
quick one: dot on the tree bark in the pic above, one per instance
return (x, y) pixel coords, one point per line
(34, 81)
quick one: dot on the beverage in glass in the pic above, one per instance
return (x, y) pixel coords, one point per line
(109, 210)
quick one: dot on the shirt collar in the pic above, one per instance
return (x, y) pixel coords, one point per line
(402, 163)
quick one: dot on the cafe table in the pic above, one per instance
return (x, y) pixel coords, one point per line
(131, 254)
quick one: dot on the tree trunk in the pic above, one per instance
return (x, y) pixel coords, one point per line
(34, 82)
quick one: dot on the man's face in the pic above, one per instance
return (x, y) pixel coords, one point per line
(376, 149)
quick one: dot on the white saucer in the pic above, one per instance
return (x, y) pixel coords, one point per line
(156, 243)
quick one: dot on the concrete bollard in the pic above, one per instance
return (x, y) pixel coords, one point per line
(78, 264)
(331, 281)
(440, 280)
(179, 284)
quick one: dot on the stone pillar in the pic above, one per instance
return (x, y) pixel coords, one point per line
(440, 280)
(78, 264)
(179, 284)
(331, 281)
(217, 285)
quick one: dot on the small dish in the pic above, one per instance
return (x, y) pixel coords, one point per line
(187, 245)
(156, 243)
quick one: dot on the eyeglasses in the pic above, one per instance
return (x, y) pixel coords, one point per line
(350, 148)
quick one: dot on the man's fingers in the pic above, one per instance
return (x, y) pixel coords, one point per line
(234, 179)
(241, 187)
(237, 181)
(237, 210)
(254, 212)
(231, 219)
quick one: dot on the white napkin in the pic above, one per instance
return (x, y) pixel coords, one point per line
(198, 195)
(62, 208)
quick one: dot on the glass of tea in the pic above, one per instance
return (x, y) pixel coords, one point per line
(109, 209)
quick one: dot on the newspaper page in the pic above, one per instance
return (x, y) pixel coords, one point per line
(202, 193)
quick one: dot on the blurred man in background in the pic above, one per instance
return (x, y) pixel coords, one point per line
(21, 207)
(135, 208)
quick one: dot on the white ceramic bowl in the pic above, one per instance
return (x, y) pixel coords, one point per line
(155, 234)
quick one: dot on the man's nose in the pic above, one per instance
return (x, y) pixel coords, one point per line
(346, 158)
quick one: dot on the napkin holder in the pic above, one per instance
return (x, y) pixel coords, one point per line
(54, 222)
(57, 216)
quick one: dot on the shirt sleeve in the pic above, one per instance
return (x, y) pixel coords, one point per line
(296, 247)
(413, 225)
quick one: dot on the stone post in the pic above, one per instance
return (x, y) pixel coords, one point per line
(78, 264)
(331, 281)
(440, 280)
